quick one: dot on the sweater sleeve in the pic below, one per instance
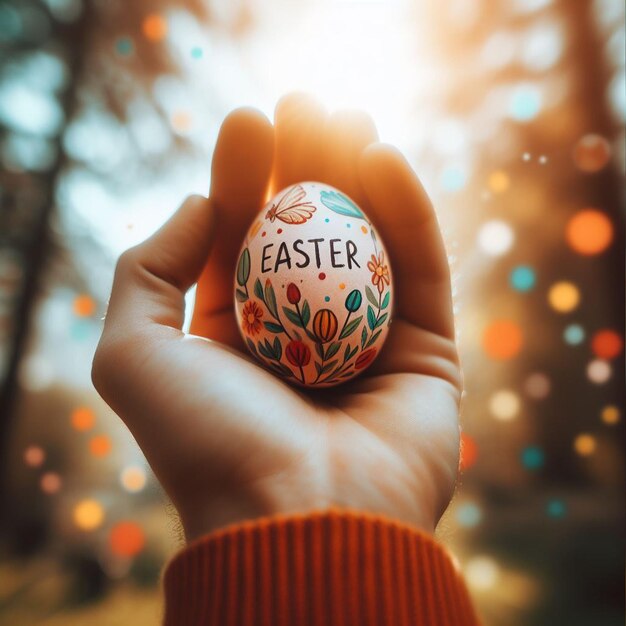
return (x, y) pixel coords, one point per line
(335, 568)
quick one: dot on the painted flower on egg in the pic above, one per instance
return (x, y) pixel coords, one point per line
(313, 287)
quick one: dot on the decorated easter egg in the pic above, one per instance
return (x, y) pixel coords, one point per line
(313, 287)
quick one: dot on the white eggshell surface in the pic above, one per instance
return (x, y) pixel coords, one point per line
(313, 287)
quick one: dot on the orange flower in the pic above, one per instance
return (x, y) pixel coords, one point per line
(251, 318)
(380, 271)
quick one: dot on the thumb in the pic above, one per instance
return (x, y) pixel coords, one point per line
(152, 278)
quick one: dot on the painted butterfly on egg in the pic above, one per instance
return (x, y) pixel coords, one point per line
(290, 209)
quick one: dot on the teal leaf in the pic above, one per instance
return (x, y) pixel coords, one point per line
(381, 320)
(273, 328)
(306, 313)
(353, 352)
(329, 366)
(318, 368)
(320, 350)
(258, 290)
(363, 337)
(346, 354)
(350, 327)
(371, 297)
(241, 296)
(292, 316)
(371, 318)
(332, 349)
(373, 338)
(263, 350)
(339, 203)
(278, 348)
(285, 370)
(270, 299)
(243, 267)
(386, 299)
(251, 345)
(311, 336)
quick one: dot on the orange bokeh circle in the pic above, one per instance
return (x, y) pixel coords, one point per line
(126, 539)
(154, 27)
(607, 344)
(502, 339)
(82, 418)
(100, 445)
(589, 232)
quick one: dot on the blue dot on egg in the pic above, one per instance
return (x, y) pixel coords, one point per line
(326, 220)
(532, 457)
(523, 278)
(196, 52)
(349, 225)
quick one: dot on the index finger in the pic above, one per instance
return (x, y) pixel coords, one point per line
(406, 220)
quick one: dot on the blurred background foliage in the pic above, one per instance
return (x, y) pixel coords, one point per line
(513, 113)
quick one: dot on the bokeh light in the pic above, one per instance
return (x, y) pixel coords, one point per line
(589, 232)
(591, 153)
(599, 371)
(532, 457)
(82, 418)
(50, 483)
(556, 508)
(525, 103)
(495, 237)
(610, 414)
(585, 444)
(482, 572)
(84, 306)
(607, 344)
(133, 478)
(504, 405)
(88, 514)
(469, 514)
(574, 334)
(499, 181)
(126, 539)
(34, 456)
(537, 386)
(181, 122)
(100, 445)
(124, 46)
(523, 278)
(564, 297)
(154, 27)
(502, 339)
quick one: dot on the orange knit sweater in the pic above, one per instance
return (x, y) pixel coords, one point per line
(336, 568)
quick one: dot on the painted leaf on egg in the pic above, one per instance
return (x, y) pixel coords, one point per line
(243, 267)
(341, 204)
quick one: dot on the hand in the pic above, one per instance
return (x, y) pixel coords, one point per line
(227, 439)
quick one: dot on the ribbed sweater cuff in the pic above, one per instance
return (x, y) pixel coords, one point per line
(336, 568)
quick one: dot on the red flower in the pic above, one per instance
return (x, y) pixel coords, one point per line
(380, 272)
(365, 358)
(251, 318)
(293, 293)
(298, 353)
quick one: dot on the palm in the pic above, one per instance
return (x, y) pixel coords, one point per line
(385, 442)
